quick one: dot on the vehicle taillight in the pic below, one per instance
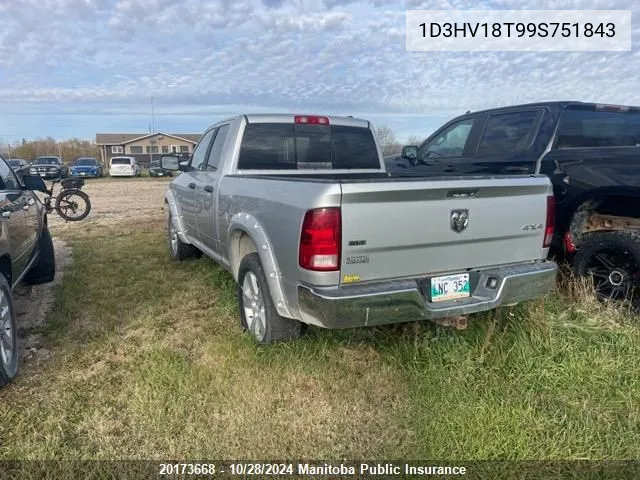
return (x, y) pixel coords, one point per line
(311, 120)
(551, 215)
(320, 240)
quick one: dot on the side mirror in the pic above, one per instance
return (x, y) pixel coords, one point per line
(35, 183)
(170, 162)
(410, 153)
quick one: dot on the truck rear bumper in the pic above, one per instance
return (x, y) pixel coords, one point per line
(407, 300)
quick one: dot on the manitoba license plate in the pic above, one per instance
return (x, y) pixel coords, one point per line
(450, 287)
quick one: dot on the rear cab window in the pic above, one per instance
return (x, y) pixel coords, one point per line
(582, 128)
(281, 146)
(509, 132)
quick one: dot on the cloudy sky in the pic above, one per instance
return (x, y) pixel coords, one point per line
(71, 68)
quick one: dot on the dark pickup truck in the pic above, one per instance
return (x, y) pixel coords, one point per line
(591, 153)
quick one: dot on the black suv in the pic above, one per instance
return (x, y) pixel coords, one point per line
(26, 253)
(49, 167)
(591, 153)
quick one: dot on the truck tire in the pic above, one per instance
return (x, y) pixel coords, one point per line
(179, 250)
(613, 259)
(8, 335)
(258, 314)
(44, 271)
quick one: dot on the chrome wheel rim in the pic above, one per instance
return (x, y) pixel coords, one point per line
(6, 331)
(253, 305)
(173, 237)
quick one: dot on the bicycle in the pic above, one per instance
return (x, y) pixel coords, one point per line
(71, 203)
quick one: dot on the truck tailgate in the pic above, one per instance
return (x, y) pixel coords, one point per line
(405, 228)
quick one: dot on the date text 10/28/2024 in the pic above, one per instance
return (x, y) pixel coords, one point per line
(232, 469)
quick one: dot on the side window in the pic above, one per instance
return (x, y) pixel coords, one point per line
(450, 142)
(8, 180)
(216, 151)
(508, 132)
(200, 153)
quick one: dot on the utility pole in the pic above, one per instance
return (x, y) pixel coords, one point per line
(153, 117)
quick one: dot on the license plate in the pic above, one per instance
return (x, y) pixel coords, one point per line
(450, 287)
(160, 174)
(43, 174)
(82, 173)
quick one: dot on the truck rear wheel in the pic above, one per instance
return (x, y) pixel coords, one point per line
(178, 249)
(258, 314)
(612, 259)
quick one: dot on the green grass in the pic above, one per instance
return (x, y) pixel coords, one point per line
(148, 361)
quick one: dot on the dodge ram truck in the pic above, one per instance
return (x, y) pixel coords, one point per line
(314, 230)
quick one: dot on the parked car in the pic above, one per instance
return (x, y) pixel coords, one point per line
(26, 253)
(124, 167)
(155, 170)
(302, 212)
(86, 167)
(589, 151)
(49, 167)
(18, 165)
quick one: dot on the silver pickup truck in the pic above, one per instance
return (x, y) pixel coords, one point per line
(313, 229)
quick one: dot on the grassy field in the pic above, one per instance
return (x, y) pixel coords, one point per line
(149, 361)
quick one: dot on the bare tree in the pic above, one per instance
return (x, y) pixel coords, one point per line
(414, 140)
(387, 140)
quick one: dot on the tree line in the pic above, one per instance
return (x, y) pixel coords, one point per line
(73, 148)
(68, 150)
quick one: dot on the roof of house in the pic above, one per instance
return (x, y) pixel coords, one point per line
(124, 138)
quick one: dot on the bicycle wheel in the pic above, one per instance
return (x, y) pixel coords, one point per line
(73, 205)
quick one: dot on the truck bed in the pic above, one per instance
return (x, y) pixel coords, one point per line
(397, 227)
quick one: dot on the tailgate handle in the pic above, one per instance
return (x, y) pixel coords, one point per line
(462, 193)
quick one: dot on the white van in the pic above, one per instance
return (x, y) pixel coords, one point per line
(124, 167)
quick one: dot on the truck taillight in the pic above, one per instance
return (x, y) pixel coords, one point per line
(320, 240)
(311, 120)
(551, 215)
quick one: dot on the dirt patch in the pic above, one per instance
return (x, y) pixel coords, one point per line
(33, 304)
(118, 202)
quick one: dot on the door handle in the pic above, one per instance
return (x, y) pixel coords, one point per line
(208, 188)
(192, 186)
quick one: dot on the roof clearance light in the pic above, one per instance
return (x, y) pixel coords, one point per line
(612, 108)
